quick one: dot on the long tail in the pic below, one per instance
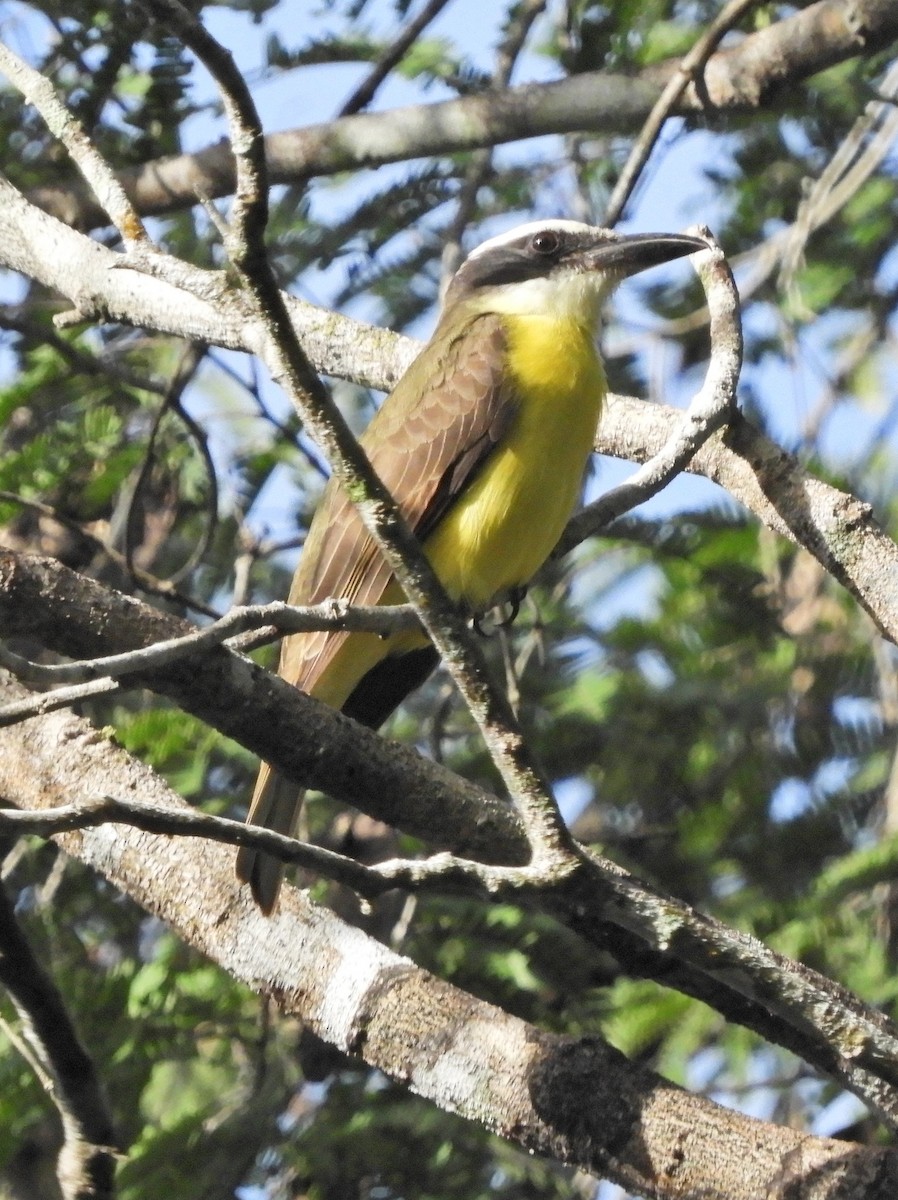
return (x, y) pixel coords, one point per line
(276, 804)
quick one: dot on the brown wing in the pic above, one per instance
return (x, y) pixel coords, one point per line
(430, 437)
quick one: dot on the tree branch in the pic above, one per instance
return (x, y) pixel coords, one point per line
(690, 68)
(711, 407)
(575, 1099)
(768, 62)
(39, 91)
(151, 584)
(652, 934)
(362, 95)
(265, 622)
(836, 527)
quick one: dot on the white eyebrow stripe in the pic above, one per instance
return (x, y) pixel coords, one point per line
(526, 230)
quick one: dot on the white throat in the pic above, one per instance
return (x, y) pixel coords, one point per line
(575, 296)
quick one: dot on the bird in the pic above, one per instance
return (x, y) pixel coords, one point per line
(483, 444)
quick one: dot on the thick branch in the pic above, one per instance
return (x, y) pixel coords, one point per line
(575, 1099)
(651, 933)
(308, 741)
(836, 527)
(765, 64)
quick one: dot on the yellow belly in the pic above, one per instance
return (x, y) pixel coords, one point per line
(502, 529)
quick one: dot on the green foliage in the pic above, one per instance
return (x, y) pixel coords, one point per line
(710, 701)
(331, 48)
(358, 1144)
(431, 58)
(193, 757)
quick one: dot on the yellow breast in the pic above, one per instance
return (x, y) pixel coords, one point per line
(500, 532)
(502, 529)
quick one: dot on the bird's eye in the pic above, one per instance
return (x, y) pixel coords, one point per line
(547, 242)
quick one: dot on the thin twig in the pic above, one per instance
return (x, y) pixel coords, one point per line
(38, 333)
(692, 64)
(362, 96)
(28, 1054)
(866, 144)
(210, 525)
(267, 621)
(860, 153)
(39, 705)
(440, 872)
(183, 374)
(39, 91)
(151, 584)
(710, 408)
(187, 822)
(290, 367)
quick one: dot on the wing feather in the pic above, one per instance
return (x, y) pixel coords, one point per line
(432, 434)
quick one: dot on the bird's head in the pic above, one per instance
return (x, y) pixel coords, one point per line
(558, 268)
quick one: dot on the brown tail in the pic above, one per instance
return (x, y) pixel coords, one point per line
(275, 805)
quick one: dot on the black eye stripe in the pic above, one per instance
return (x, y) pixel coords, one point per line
(505, 264)
(531, 256)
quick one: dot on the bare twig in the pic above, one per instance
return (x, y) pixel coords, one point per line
(38, 705)
(151, 584)
(362, 96)
(689, 70)
(190, 359)
(94, 811)
(860, 153)
(267, 622)
(711, 407)
(242, 629)
(836, 527)
(440, 872)
(39, 91)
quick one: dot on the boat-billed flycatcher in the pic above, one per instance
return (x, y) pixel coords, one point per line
(483, 444)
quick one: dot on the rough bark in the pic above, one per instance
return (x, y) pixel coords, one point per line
(651, 933)
(308, 740)
(578, 1100)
